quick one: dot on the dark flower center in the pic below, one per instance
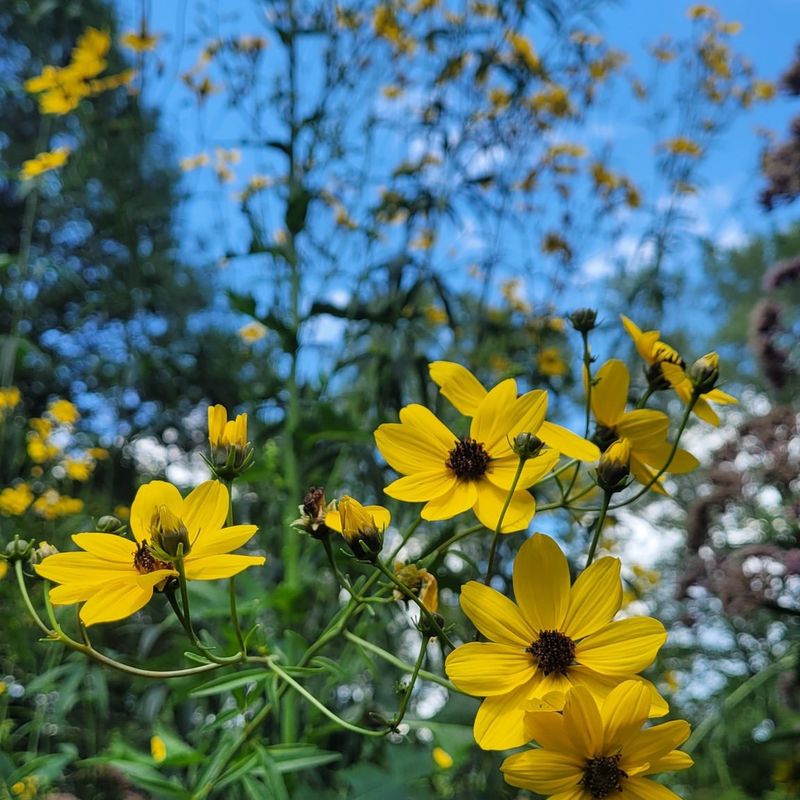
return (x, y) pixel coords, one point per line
(604, 437)
(553, 651)
(602, 776)
(145, 561)
(468, 459)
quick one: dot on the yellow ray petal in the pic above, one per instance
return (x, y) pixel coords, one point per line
(205, 510)
(223, 541)
(495, 616)
(107, 546)
(459, 499)
(703, 410)
(543, 771)
(624, 711)
(672, 762)
(628, 645)
(149, 497)
(644, 475)
(601, 686)
(490, 425)
(644, 427)
(567, 442)
(546, 728)
(489, 505)
(594, 599)
(69, 593)
(718, 396)
(610, 392)
(81, 568)
(501, 471)
(500, 721)
(458, 385)
(421, 486)
(526, 415)
(427, 425)
(380, 516)
(582, 721)
(115, 600)
(541, 583)
(656, 743)
(408, 452)
(656, 457)
(487, 668)
(209, 568)
(644, 789)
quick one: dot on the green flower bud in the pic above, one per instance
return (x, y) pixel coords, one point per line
(613, 471)
(527, 445)
(583, 320)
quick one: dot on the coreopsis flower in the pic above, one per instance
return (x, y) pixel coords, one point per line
(682, 146)
(615, 466)
(442, 758)
(361, 526)
(114, 577)
(15, 500)
(158, 749)
(555, 637)
(231, 453)
(656, 354)
(550, 362)
(141, 41)
(252, 332)
(44, 162)
(598, 750)
(644, 429)
(63, 412)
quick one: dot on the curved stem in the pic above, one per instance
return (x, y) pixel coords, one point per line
(234, 611)
(506, 504)
(23, 589)
(401, 711)
(598, 528)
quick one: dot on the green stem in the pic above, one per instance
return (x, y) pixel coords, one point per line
(401, 711)
(506, 504)
(432, 555)
(645, 397)
(321, 706)
(587, 366)
(598, 528)
(23, 589)
(406, 536)
(234, 611)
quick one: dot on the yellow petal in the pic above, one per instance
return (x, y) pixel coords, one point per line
(426, 424)
(546, 728)
(489, 505)
(672, 762)
(205, 510)
(718, 396)
(69, 593)
(567, 442)
(582, 721)
(656, 743)
(610, 392)
(486, 668)
(107, 546)
(81, 568)
(380, 516)
(622, 647)
(594, 599)
(458, 385)
(490, 425)
(601, 686)
(624, 711)
(644, 789)
(223, 541)
(406, 452)
(644, 475)
(527, 414)
(209, 568)
(656, 457)
(421, 486)
(703, 410)
(333, 519)
(543, 771)
(500, 721)
(643, 427)
(644, 341)
(115, 600)
(148, 498)
(461, 497)
(541, 583)
(495, 616)
(501, 471)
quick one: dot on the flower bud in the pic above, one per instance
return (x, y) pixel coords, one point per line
(359, 530)
(110, 524)
(583, 320)
(704, 373)
(169, 537)
(40, 553)
(613, 471)
(231, 453)
(18, 549)
(527, 445)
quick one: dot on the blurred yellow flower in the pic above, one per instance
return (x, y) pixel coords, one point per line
(122, 512)
(435, 315)
(141, 42)
(15, 500)
(553, 100)
(158, 750)
(98, 453)
(550, 362)
(43, 427)
(40, 450)
(52, 505)
(44, 162)
(26, 789)
(63, 412)
(190, 163)
(252, 332)
(701, 12)
(763, 90)
(77, 468)
(9, 398)
(442, 758)
(523, 50)
(682, 146)
(730, 28)
(3, 573)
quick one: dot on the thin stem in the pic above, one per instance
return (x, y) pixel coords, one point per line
(23, 589)
(433, 554)
(414, 599)
(587, 366)
(598, 528)
(406, 536)
(321, 706)
(645, 397)
(401, 711)
(395, 661)
(234, 611)
(499, 527)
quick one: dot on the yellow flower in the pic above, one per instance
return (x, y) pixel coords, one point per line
(194, 162)
(26, 789)
(550, 362)
(88, 55)
(63, 412)
(78, 469)
(141, 42)
(644, 429)
(43, 427)
(553, 99)
(523, 50)
(158, 750)
(442, 758)
(701, 11)
(3, 573)
(40, 450)
(16, 500)
(44, 162)
(435, 315)
(682, 146)
(9, 397)
(114, 577)
(52, 505)
(615, 466)
(252, 332)
(361, 526)
(224, 433)
(98, 453)
(122, 512)
(3, 686)
(554, 637)
(658, 356)
(596, 750)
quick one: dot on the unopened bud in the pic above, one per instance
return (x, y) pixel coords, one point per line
(527, 445)
(704, 373)
(613, 471)
(231, 453)
(40, 553)
(583, 320)
(169, 537)
(18, 549)
(110, 524)
(360, 532)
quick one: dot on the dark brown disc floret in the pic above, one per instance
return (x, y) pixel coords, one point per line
(602, 776)
(468, 459)
(554, 652)
(145, 561)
